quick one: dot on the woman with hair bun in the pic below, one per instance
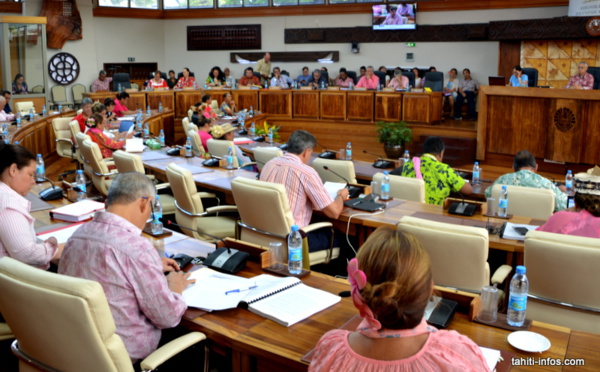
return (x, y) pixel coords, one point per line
(391, 284)
(17, 237)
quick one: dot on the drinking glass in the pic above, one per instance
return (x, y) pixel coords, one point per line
(277, 255)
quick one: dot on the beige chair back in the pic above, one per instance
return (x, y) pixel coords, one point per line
(563, 269)
(59, 94)
(5, 332)
(219, 147)
(62, 133)
(60, 321)
(528, 201)
(197, 147)
(190, 114)
(92, 156)
(185, 123)
(404, 187)
(79, 138)
(253, 195)
(345, 168)
(458, 253)
(184, 189)
(77, 90)
(24, 106)
(193, 127)
(128, 162)
(263, 154)
(214, 105)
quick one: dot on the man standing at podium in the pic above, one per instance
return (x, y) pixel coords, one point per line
(263, 66)
(581, 80)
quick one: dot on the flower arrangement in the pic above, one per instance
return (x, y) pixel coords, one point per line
(264, 130)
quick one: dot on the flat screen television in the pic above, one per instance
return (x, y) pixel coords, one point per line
(396, 16)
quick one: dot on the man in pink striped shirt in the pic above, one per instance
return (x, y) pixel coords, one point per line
(303, 185)
(111, 251)
(369, 81)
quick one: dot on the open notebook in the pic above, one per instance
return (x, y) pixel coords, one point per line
(283, 300)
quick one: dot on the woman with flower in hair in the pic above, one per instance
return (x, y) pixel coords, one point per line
(391, 284)
(107, 145)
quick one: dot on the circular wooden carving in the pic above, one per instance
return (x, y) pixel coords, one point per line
(63, 68)
(593, 26)
(564, 119)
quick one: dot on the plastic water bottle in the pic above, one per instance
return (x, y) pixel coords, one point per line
(138, 120)
(409, 88)
(60, 107)
(40, 168)
(120, 88)
(349, 151)
(188, 148)
(18, 118)
(251, 112)
(569, 181)
(146, 131)
(161, 137)
(81, 184)
(266, 84)
(44, 111)
(148, 111)
(230, 158)
(517, 301)
(503, 202)
(385, 186)
(31, 114)
(322, 85)
(252, 129)
(476, 178)
(295, 251)
(270, 138)
(351, 85)
(5, 135)
(296, 84)
(160, 107)
(157, 225)
(205, 86)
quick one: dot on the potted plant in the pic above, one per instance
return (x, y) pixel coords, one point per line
(393, 136)
(264, 131)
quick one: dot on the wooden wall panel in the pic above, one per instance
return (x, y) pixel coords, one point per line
(360, 105)
(333, 105)
(276, 103)
(306, 104)
(509, 56)
(564, 131)
(590, 152)
(184, 100)
(388, 107)
(165, 97)
(246, 98)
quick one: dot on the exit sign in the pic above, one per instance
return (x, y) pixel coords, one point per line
(411, 45)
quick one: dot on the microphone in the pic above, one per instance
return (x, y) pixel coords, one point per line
(326, 154)
(51, 193)
(380, 162)
(353, 191)
(463, 208)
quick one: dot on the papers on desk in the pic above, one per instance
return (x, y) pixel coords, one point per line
(283, 300)
(242, 140)
(134, 145)
(79, 211)
(61, 234)
(127, 118)
(510, 231)
(333, 187)
(491, 356)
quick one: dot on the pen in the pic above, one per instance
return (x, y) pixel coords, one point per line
(240, 290)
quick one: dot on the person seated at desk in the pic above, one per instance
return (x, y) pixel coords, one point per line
(280, 80)
(17, 237)
(186, 81)
(157, 81)
(121, 105)
(581, 80)
(399, 81)
(226, 132)
(105, 143)
(102, 84)
(343, 80)
(439, 178)
(229, 79)
(3, 115)
(205, 107)
(584, 219)
(204, 124)
(362, 71)
(392, 282)
(172, 80)
(467, 89)
(19, 86)
(518, 79)
(317, 80)
(451, 89)
(109, 104)
(304, 187)
(249, 79)
(369, 81)
(215, 77)
(228, 106)
(525, 175)
(111, 251)
(304, 78)
(86, 113)
(6, 94)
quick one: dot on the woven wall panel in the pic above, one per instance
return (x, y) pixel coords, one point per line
(234, 37)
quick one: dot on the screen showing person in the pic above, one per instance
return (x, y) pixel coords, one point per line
(394, 16)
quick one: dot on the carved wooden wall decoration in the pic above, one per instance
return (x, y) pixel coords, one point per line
(278, 57)
(64, 22)
(224, 37)
(532, 29)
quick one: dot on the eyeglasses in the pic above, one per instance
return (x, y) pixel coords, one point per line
(152, 203)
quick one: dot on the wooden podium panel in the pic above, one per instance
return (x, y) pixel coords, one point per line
(590, 153)
(333, 105)
(388, 106)
(137, 100)
(565, 131)
(306, 104)
(360, 105)
(276, 103)
(165, 96)
(422, 108)
(184, 99)
(246, 98)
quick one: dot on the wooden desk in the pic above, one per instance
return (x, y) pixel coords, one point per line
(422, 108)
(276, 103)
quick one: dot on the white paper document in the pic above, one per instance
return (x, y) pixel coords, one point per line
(333, 187)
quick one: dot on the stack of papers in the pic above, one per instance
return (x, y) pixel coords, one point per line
(76, 212)
(61, 234)
(333, 187)
(511, 233)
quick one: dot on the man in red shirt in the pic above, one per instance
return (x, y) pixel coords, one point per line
(249, 78)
